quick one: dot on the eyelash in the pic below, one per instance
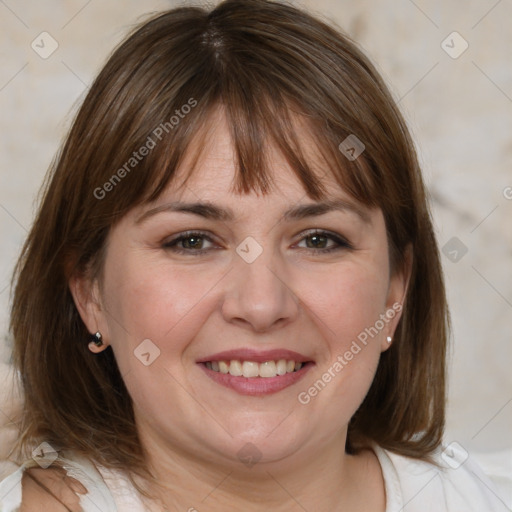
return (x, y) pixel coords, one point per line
(342, 243)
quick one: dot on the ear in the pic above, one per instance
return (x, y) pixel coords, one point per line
(87, 298)
(397, 291)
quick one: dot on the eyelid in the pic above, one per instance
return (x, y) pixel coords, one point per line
(343, 241)
(171, 243)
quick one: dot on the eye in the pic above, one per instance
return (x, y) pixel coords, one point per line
(197, 243)
(324, 241)
(191, 242)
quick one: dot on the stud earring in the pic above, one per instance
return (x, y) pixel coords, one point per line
(96, 339)
(389, 339)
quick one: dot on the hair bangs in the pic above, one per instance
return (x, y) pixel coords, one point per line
(258, 120)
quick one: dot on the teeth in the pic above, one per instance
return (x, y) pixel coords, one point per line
(268, 369)
(235, 368)
(252, 369)
(281, 366)
(223, 367)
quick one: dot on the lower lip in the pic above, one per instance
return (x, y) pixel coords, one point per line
(257, 386)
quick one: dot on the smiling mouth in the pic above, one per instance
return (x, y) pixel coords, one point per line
(253, 369)
(254, 378)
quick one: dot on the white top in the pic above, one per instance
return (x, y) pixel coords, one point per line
(459, 485)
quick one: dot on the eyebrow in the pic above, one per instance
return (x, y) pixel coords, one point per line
(298, 212)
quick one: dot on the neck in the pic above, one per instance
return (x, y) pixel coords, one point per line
(326, 479)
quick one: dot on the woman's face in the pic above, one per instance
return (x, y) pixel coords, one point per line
(204, 271)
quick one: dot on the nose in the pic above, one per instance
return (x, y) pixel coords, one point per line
(259, 295)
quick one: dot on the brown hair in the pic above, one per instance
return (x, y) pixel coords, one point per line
(268, 65)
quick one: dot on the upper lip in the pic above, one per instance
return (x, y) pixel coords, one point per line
(258, 356)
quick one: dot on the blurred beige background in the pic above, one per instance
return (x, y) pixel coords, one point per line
(455, 89)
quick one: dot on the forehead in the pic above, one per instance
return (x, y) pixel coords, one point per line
(209, 166)
(205, 183)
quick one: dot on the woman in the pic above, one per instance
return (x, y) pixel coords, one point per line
(231, 298)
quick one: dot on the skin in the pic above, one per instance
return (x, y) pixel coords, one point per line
(292, 296)
(50, 489)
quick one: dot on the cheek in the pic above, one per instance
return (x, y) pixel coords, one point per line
(345, 306)
(345, 302)
(153, 300)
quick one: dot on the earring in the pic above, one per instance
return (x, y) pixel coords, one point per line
(96, 339)
(389, 339)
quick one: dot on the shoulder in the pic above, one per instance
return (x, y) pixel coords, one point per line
(50, 489)
(74, 484)
(453, 483)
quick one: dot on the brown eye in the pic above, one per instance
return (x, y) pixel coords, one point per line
(324, 241)
(316, 241)
(192, 242)
(189, 243)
